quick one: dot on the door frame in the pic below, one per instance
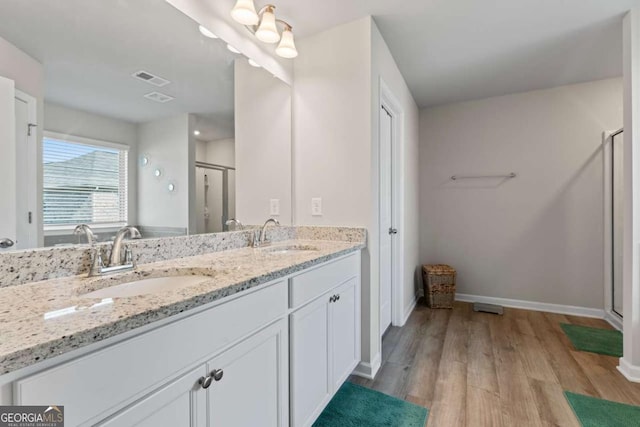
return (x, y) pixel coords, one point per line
(607, 157)
(389, 102)
(30, 176)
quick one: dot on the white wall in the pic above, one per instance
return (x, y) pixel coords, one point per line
(262, 144)
(167, 142)
(69, 121)
(336, 104)
(538, 237)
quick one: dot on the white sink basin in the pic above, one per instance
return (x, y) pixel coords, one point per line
(289, 249)
(147, 286)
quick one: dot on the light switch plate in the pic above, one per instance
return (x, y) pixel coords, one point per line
(316, 206)
(274, 207)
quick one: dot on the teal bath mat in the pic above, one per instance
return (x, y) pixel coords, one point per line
(592, 412)
(594, 340)
(356, 406)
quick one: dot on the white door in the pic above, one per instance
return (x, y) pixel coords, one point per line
(182, 402)
(250, 386)
(310, 383)
(386, 218)
(345, 345)
(26, 158)
(8, 228)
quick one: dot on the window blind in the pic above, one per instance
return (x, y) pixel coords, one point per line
(83, 184)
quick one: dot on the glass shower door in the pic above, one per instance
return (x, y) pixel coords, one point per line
(617, 208)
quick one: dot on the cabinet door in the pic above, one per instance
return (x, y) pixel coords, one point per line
(182, 402)
(310, 384)
(252, 382)
(345, 332)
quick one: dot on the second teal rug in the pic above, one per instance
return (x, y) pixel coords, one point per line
(593, 412)
(356, 406)
(594, 340)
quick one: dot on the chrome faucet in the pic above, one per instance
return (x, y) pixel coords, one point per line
(116, 251)
(238, 224)
(86, 230)
(116, 262)
(258, 239)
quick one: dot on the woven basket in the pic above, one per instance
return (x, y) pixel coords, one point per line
(439, 285)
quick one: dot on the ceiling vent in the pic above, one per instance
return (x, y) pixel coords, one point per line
(159, 97)
(151, 79)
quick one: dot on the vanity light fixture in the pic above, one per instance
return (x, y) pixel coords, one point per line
(254, 63)
(205, 32)
(245, 13)
(265, 28)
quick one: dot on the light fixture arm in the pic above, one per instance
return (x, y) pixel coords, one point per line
(253, 28)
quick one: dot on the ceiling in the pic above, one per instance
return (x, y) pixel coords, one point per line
(90, 48)
(457, 50)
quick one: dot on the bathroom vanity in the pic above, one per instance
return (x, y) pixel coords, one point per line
(264, 339)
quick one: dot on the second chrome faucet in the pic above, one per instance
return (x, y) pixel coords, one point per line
(260, 235)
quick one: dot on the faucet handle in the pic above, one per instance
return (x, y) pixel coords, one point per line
(128, 255)
(97, 264)
(255, 241)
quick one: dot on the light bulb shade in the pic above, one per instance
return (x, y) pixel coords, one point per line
(287, 47)
(244, 12)
(267, 31)
(206, 32)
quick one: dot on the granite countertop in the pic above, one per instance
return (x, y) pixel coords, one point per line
(44, 319)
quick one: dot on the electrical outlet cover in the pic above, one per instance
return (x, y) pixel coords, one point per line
(274, 207)
(316, 206)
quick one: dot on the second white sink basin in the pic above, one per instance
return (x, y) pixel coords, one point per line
(289, 249)
(147, 286)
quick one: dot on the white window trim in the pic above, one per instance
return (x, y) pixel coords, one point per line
(54, 230)
(85, 141)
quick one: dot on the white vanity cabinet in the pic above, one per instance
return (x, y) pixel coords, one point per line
(245, 386)
(324, 335)
(271, 356)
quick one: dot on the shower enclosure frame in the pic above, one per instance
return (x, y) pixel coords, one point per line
(610, 314)
(225, 188)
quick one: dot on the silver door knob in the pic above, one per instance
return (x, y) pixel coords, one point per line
(205, 382)
(6, 243)
(217, 374)
(393, 231)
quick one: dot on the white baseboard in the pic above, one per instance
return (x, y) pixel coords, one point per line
(408, 311)
(369, 370)
(613, 319)
(630, 372)
(532, 305)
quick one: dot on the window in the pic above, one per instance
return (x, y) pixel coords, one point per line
(84, 181)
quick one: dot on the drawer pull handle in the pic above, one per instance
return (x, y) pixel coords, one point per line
(205, 382)
(217, 374)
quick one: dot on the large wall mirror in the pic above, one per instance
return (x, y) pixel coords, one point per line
(123, 112)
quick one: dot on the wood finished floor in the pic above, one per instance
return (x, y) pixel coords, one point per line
(479, 369)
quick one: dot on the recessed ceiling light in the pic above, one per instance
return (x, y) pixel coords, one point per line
(232, 49)
(254, 63)
(205, 32)
(196, 132)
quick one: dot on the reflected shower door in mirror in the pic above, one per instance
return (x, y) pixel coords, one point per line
(115, 113)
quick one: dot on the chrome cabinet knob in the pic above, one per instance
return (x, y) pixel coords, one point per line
(337, 297)
(332, 298)
(217, 374)
(205, 382)
(6, 243)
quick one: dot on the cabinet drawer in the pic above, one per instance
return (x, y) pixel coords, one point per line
(95, 385)
(312, 284)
